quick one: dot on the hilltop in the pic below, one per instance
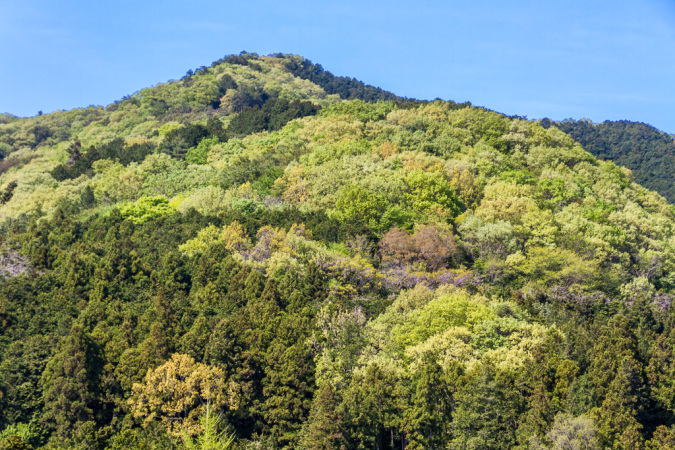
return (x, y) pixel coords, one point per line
(264, 255)
(260, 93)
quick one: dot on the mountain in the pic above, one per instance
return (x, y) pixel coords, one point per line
(264, 255)
(646, 151)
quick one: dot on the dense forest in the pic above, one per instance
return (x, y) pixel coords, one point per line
(263, 255)
(646, 151)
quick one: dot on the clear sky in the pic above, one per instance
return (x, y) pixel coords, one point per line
(593, 59)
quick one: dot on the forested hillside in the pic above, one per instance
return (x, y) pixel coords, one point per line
(648, 152)
(245, 259)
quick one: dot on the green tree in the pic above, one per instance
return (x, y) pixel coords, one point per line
(617, 376)
(213, 436)
(428, 414)
(87, 198)
(371, 414)
(70, 383)
(20, 371)
(487, 411)
(661, 372)
(359, 206)
(194, 342)
(324, 428)
(200, 153)
(430, 193)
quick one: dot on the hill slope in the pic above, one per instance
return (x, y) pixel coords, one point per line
(246, 247)
(648, 152)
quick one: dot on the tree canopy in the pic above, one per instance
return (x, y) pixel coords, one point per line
(245, 259)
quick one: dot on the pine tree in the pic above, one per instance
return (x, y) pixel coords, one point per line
(87, 198)
(429, 411)
(324, 429)
(194, 342)
(70, 382)
(369, 407)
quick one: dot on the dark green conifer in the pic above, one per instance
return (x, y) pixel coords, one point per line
(70, 383)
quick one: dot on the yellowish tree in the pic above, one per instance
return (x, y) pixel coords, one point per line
(177, 393)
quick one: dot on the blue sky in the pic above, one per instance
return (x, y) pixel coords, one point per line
(582, 59)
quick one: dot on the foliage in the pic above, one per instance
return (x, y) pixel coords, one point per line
(273, 115)
(646, 151)
(176, 393)
(79, 164)
(16, 437)
(434, 247)
(212, 437)
(146, 208)
(241, 258)
(178, 141)
(347, 88)
(199, 154)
